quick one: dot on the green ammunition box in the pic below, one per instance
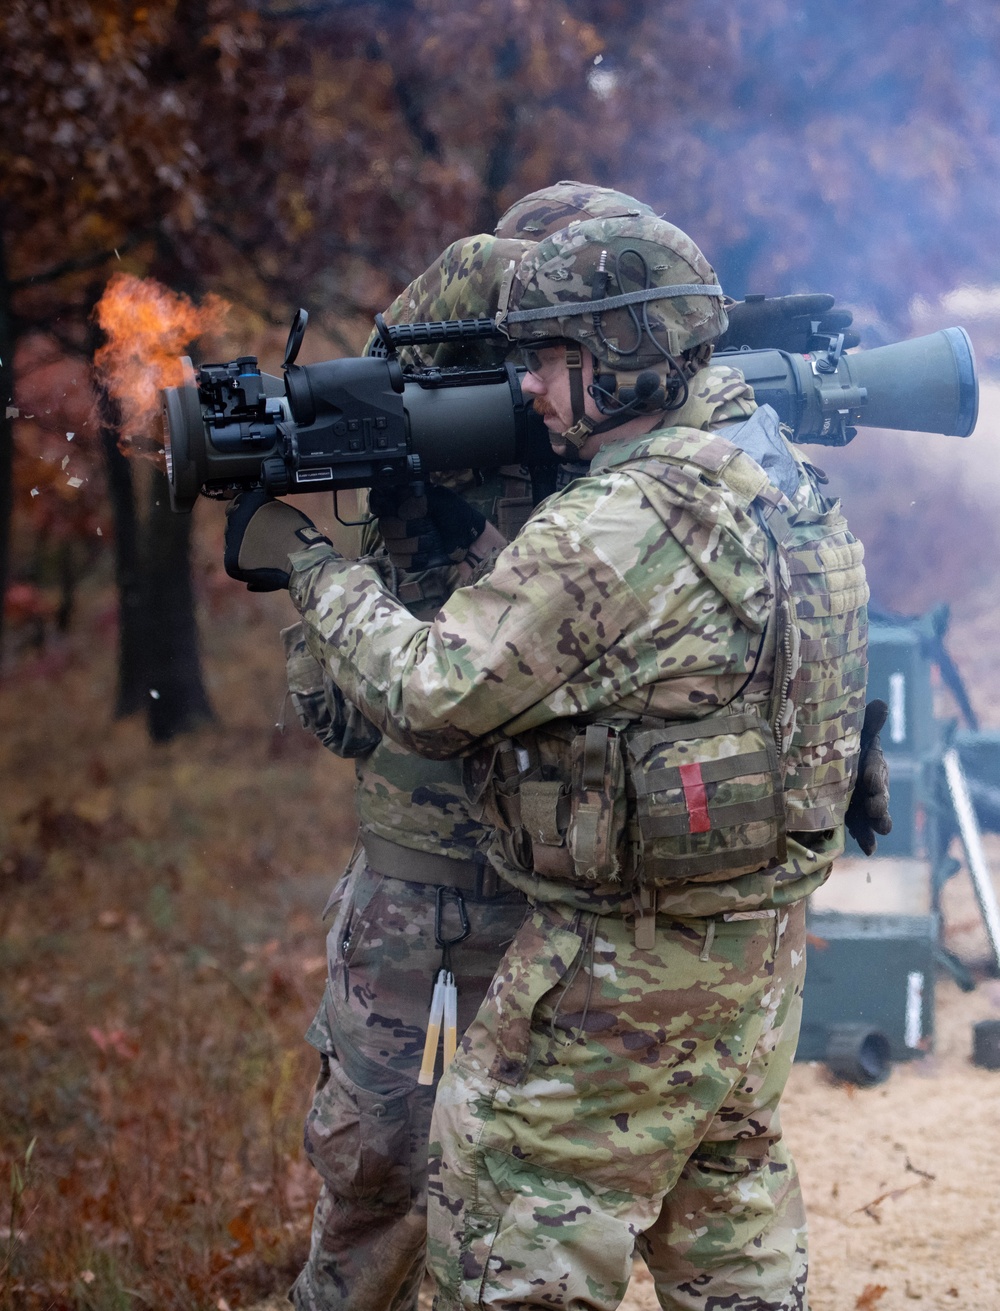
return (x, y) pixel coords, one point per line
(871, 969)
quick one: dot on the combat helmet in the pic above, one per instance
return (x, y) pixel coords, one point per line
(634, 291)
(462, 283)
(540, 213)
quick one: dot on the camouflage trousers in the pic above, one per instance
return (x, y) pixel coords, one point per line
(609, 1099)
(367, 1130)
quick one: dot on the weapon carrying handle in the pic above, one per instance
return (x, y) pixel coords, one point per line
(425, 334)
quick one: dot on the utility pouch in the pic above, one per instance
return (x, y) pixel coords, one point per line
(598, 818)
(707, 799)
(495, 779)
(545, 817)
(572, 826)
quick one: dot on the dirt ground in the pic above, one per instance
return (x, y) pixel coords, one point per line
(902, 1182)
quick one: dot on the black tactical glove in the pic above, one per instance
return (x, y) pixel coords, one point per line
(785, 323)
(422, 526)
(261, 533)
(868, 811)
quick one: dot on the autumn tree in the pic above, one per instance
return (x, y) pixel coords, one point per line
(322, 152)
(91, 157)
(99, 107)
(853, 150)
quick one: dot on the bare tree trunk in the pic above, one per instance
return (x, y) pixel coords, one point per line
(68, 578)
(133, 684)
(178, 701)
(159, 666)
(7, 340)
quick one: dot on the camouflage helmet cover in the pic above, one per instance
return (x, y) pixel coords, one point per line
(462, 283)
(542, 212)
(605, 260)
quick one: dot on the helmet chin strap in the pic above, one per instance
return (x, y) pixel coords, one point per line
(584, 427)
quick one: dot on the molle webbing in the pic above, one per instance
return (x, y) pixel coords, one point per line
(663, 803)
(820, 569)
(822, 595)
(706, 798)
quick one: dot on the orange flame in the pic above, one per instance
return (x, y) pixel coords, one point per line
(147, 328)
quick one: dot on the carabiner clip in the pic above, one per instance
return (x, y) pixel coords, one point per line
(443, 893)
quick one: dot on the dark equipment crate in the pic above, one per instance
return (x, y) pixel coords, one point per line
(871, 970)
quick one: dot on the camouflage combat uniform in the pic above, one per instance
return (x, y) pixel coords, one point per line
(608, 1095)
(421, 868)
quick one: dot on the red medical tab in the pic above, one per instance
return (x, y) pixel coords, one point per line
(695, 798)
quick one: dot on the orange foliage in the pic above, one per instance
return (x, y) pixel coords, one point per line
(153, 1020)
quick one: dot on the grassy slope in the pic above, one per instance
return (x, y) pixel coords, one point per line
(160, 956)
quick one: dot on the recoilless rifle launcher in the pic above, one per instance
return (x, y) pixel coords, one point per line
(371, 422)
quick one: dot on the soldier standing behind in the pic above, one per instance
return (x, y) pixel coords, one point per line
(419, 896)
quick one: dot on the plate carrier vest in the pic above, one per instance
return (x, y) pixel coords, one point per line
(647, 803)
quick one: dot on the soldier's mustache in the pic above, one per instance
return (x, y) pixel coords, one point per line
(542, 406)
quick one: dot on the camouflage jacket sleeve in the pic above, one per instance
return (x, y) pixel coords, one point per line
(596, 603)
(322, 708)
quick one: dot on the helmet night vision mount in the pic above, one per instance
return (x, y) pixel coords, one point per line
(368, 422)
